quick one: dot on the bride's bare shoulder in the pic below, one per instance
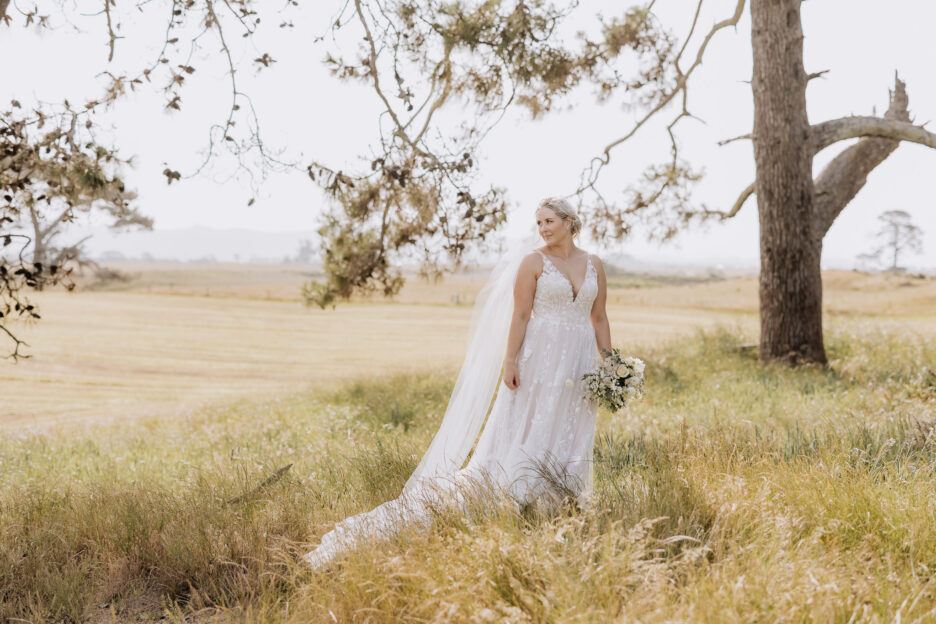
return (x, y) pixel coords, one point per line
(532, 263)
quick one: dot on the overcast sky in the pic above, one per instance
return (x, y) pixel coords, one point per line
(304, 111)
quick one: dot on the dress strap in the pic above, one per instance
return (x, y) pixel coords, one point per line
(546, 260)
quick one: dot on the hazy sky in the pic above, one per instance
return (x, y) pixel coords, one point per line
(304, 111)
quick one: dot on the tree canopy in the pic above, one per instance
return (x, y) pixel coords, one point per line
(53, 166)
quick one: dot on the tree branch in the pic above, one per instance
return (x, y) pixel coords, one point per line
(111, 35)
(375, 75)
(735, 209)
(695, 21)
(743, 137)
(847, 173)
(743, 197)
(817, 74)
(15, 355)
(599, 162)
(829, 132)
(42, 233)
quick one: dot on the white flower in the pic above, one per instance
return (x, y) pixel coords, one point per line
(604, 386)
(569, 383)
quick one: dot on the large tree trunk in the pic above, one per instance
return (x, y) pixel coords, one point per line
(790, 279)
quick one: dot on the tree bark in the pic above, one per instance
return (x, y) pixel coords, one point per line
(790, 278)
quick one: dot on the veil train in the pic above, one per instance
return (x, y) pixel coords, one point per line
(437, 473)
(480, 371)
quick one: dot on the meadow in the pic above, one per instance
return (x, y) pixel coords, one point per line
(172, 452)
(180, 335)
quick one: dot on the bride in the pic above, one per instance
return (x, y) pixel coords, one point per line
(552, 335)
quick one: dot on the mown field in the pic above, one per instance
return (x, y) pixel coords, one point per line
(178, 336)
(733, 492)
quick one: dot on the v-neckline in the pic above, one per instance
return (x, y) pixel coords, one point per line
(567, 278)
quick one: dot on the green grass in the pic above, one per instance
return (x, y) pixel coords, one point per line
(733, 492)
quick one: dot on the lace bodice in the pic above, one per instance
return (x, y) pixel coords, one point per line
(554, 300)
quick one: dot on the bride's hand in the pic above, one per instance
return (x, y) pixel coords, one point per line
(511, 378)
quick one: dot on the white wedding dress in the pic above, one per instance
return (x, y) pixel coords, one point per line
(545, 423)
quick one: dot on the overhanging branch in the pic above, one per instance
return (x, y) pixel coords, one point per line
(673, 178)
(599, 162)
(829, 132)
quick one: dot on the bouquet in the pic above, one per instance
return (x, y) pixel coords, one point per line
(615, 381)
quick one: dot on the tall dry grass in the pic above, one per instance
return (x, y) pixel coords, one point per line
(733, 492)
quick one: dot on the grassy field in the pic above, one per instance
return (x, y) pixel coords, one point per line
(177, 336)
(181, 336)
(734, 492)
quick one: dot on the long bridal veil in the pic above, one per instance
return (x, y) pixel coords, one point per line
(480, 372)
(464, 417)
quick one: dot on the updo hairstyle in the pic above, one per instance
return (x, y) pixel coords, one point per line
(564, 211)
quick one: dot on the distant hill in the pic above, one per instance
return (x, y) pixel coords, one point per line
(196, 244)
(209, 244)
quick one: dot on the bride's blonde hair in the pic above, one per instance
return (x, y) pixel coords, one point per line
(564, 211)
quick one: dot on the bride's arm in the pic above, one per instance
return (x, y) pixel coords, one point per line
(599, 316)
(524, 290)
